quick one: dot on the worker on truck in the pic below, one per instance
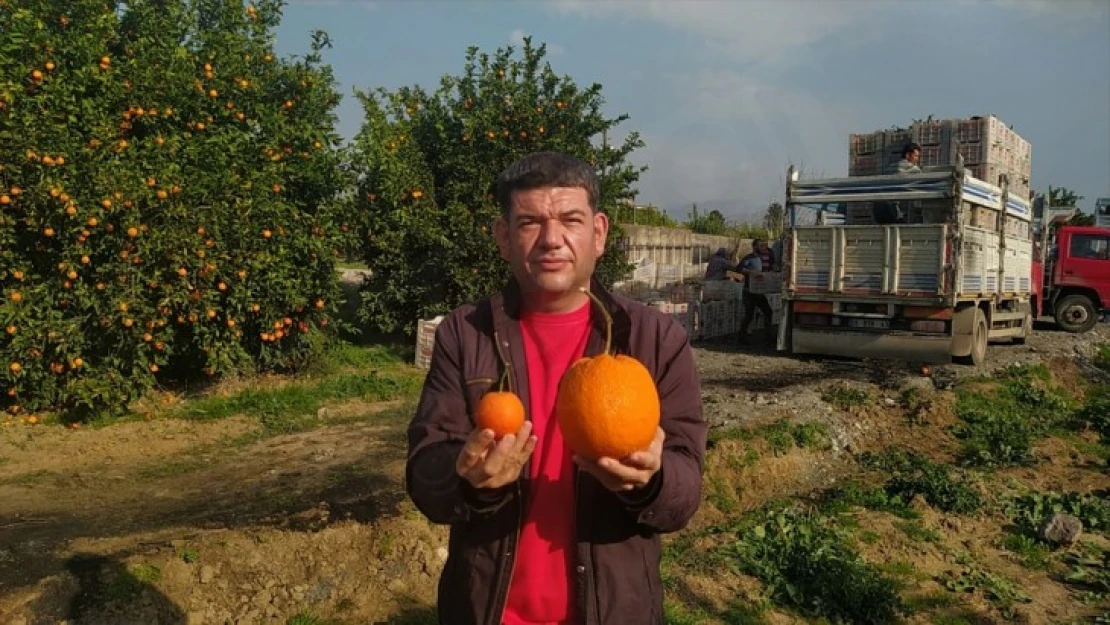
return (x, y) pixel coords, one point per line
(911, 157)
(886, 212)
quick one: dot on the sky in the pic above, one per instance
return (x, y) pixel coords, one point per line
(726, 94)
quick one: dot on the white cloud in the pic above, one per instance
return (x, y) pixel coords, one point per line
(766, 32)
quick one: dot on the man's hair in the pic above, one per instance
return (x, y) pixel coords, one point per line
(545, 170)
(910, 147)
(756, 242)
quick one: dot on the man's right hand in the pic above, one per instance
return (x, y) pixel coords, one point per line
(488, 463)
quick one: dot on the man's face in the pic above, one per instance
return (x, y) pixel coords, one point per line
(914, 156)
(552, 239)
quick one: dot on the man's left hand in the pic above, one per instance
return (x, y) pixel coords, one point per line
(630, 473)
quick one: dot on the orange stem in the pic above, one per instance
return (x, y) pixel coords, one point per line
(604, 313)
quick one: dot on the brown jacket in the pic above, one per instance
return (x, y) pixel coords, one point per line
(618, 554)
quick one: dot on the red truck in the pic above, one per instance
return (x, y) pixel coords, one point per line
(1074, 272)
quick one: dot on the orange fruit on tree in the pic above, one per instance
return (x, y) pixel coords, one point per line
(607, 406)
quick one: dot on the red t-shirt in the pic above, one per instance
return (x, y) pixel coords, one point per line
(541, 589)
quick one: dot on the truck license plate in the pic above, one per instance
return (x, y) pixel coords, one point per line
(873, 324)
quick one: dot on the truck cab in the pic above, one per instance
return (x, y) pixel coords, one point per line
(1076, 289)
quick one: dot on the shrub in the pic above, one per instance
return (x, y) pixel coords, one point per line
(167, 186)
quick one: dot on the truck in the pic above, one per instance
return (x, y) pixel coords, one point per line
(1075, 288)
(1102, 212)
(952, 269)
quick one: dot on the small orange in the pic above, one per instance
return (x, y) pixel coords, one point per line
(500, 411)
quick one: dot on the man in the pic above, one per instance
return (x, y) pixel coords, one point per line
(718, 266)
(887, 212)
(539, 537)
(755, 263)
(911, 156)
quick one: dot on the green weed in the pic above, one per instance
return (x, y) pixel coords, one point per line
(1001, 592)
(912, 474)
(1000, 425)
(807, 562)
(1028, 551)
(1029, 511)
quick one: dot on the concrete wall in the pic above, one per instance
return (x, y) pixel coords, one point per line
(674, 246)
(665, 256)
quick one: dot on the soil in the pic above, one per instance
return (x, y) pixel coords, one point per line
(174, 521)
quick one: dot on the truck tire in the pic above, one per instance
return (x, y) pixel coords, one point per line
(1076, 314)
(980, 332)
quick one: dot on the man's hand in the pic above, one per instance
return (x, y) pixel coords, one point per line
(487, 463)
(629, 473)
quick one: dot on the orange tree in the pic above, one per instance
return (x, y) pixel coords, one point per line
(427, 163)
(168, 191)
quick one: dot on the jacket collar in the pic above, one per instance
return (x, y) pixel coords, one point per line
(507, 305)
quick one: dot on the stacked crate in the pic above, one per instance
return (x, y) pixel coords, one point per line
(989, 147)
(426, 340)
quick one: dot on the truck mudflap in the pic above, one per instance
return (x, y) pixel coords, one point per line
(905, 346)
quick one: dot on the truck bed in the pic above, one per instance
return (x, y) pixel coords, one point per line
(907, 261)
(903, 261)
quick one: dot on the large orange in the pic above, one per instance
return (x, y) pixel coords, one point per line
(607, 406)
(500, 411)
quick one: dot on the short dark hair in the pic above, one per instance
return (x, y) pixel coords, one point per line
(542, 170)
(910, 147)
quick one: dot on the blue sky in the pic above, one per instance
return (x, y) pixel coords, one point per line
(727, 93)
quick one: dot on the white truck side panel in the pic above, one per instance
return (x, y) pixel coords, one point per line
(1017, 261)
(873, 260)
(979, 259)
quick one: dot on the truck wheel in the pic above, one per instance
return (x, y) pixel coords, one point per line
(979, 335)
(1076, 313)
(1027, 328)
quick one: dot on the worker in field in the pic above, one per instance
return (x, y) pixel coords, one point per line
(540, 535)
(752, 265)
(719, 265)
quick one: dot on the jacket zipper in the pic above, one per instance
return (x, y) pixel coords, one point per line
(496, 617)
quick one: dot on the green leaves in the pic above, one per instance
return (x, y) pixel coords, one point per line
(433, 252)
(164, 159)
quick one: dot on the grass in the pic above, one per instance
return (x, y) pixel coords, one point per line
(781, 436)
(1031, 553)
(844, 397)
(1102, 357)
(130, 581)
(272, 405)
